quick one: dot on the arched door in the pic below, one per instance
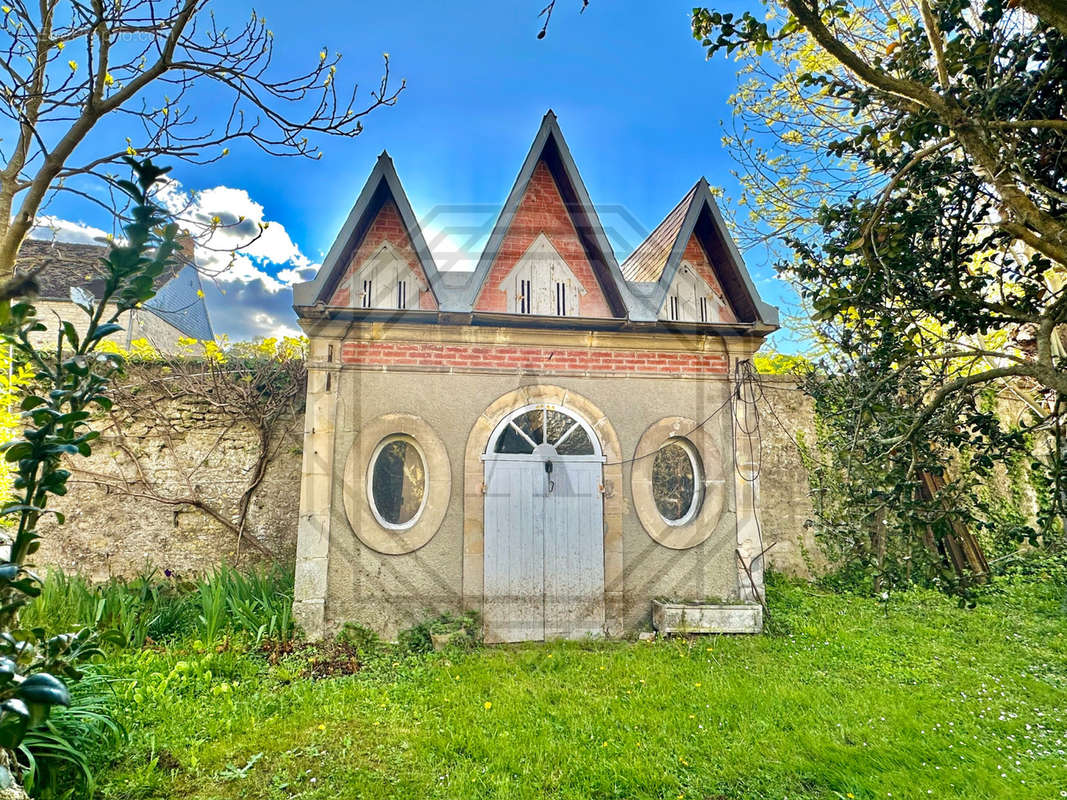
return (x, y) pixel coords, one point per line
(544, 527)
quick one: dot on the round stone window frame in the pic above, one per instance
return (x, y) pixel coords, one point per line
(362, 518)
(411, 523)
(697, 528)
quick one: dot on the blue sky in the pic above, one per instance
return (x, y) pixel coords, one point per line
(640, 107)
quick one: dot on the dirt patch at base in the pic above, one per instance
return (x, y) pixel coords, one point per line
(326, 659)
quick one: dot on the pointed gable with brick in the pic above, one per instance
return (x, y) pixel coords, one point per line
(547, 254)
(689, 270)
(380, 258)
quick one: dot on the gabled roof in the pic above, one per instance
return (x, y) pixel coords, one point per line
(645, 264)
(180, 303)
(654, 263)
(63, 266)
(549, 146)
(382, 185)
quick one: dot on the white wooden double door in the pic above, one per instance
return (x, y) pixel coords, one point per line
(544, 549)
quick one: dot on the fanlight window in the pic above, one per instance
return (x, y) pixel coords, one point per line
(385, 281)
(677, 482)
(397, 489)
(539, 426)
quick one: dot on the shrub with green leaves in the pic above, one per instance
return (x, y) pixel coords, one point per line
(67, 384)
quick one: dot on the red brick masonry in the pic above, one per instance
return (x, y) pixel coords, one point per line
(542, 211)
(546, 359)
(387, 227)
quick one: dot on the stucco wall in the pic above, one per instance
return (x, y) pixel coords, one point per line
(394, 591)
(109, 533)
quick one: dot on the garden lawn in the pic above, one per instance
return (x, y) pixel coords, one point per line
(837, 700)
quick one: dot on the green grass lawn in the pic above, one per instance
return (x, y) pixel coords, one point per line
(835, 701)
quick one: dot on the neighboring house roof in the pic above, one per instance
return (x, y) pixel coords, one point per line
(635, 291)
(180, 302)
(654, 263)
(65, 265)
(382, 185)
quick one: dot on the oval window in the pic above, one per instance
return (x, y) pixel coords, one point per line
(397, 483)
(677, 482)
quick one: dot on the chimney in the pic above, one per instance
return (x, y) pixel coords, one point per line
(186, 252)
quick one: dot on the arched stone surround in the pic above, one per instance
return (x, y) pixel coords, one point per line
(474, 499)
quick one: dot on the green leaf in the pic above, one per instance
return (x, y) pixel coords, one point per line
(70, 334)
(103, 331)
(18, 451)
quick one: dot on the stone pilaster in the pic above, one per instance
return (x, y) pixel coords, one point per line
(316, 490)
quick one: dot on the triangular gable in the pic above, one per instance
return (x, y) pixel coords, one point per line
(549, 197)
(696, 233)
(542, 249)
(381, 215)
(386, 241)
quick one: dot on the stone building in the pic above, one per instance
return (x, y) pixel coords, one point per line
(177, 311)
(553, 440)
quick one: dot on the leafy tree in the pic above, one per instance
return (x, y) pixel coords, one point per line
(913, 159)
(68, 383)
(69, 66)
(951, 119)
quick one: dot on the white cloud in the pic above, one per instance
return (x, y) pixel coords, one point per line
(273, 326)
(249, 263)
(62, 230)
(236, 243)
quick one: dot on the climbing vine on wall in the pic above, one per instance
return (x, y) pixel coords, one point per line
(226, 391)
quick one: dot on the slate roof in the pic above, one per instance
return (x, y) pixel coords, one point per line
(645, 264)
(179, 302)
(65, 265)
(635, 291)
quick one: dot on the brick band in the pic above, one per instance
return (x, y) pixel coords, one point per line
(510, 357)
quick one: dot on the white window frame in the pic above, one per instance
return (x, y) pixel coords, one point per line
(698, 482)
(490, 453)
(691, 299)
(399, 437)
